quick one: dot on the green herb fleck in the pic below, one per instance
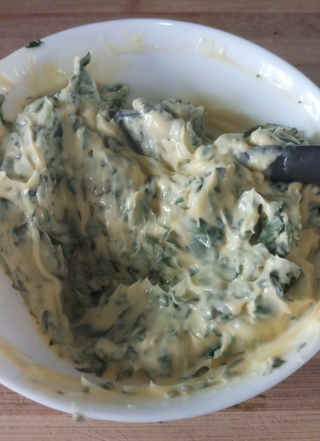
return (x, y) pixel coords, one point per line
(209, 353)
(277, 362)
(77, 418)
(34, 43)
(124, 374)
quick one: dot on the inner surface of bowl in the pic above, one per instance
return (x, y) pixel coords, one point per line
(240, 85)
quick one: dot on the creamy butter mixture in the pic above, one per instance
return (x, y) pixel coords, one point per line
(155, 268)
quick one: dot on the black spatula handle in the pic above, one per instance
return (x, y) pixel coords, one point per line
(299, 163)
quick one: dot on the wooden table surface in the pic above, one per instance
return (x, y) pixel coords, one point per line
(289, 28)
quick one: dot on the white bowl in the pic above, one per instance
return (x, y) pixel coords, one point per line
(241, 84)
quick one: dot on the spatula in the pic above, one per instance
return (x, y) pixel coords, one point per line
(289, 163)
